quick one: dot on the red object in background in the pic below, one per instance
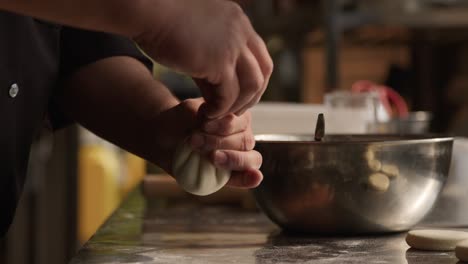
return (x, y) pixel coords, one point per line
(392, 101)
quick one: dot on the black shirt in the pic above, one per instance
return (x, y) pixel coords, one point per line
(34, 57)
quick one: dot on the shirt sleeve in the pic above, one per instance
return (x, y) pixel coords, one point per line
(79, 48)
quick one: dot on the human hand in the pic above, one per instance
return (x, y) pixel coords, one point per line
(214, 42)
(226, 142)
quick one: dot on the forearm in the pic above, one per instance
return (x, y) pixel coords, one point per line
(118, 99)
(124, 17)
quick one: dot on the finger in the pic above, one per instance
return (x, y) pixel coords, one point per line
(245, 179)
(250, 78)
(236, 160)
(252, 103)
(205, 88)
(243, 141)
(219, 98)
(228, 125)
(260, 51)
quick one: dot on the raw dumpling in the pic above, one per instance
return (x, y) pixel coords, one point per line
(197, 175)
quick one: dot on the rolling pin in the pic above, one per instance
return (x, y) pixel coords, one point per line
(164, 186)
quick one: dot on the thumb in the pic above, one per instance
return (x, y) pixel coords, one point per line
(219, 98)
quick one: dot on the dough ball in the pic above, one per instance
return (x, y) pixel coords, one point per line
(434, 239)
(374, 165)
(369, 155)
(461, 250)
(390, 170)
(379, 182)
(197, 175)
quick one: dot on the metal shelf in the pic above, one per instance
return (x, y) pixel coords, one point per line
(337, 21)
(453, 18)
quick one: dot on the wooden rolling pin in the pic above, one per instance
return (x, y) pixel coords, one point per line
(164, 186)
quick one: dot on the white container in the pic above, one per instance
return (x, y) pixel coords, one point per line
(291, 118)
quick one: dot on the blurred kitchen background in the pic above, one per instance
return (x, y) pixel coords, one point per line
(419, 48)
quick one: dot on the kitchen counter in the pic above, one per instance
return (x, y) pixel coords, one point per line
(166, 231)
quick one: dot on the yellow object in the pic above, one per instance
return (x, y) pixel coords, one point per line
(136, 170)
(98, 182)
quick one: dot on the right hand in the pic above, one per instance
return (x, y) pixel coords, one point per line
(214, 42)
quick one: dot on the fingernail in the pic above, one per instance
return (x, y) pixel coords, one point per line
(211, 127)
(211, 116)
(220, 158)
(211, 113)
(249, 179)
(197, 141)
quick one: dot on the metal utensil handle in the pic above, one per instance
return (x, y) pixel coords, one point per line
(320, 128)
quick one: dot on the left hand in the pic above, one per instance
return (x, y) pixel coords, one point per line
(227, 142)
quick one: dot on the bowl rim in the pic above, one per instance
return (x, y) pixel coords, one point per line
(391, 139)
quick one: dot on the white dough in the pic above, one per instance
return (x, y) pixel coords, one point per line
(433, 239)
(195, 174)
(374, 165)
(461, 250)
(390, 170)
(379, 182)
(369, 155)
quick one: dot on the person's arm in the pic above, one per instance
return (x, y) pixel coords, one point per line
(213, 41)
(114, 16)
(118, 99)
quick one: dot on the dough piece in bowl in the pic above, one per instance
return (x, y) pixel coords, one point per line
(392, 171)
(374, 165)
(196, 174)
(435, 239)
(461, 251)
(379, 182)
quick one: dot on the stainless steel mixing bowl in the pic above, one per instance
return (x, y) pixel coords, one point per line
(351, 184)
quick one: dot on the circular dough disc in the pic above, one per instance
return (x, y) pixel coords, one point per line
(461, 251)
(434, 239)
